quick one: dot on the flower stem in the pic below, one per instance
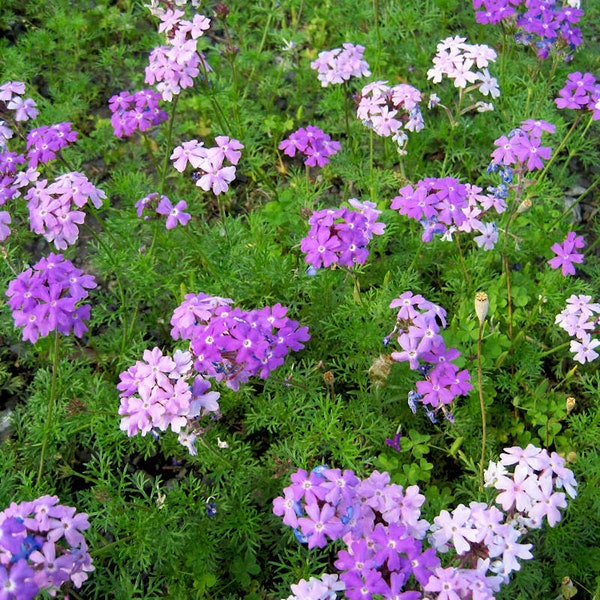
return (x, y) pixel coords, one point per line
(163, 176)
(481, 403)
(51, 401)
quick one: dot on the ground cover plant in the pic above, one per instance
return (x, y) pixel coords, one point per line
(299, 300)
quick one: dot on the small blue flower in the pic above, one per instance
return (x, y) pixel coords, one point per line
(311, 271)
(211, 508)
(300, 536)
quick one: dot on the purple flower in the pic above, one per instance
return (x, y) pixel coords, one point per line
(566, 254)
(175, 214)
(45, 298)
(340, 64)
(314, 143)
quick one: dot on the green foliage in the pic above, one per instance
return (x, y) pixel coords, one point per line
(337, 401)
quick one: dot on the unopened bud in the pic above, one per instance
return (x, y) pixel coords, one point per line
(482, 305)
(571, 457)
(571, 402)
(328, 378)
(380, 369)
(525, 205)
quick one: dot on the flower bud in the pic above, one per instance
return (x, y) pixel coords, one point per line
(525, 205)
(482, 305)
(571, 402)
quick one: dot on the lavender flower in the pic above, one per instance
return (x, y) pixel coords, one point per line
(314, 143)
(578, 319)
(581, 91)
(233, 345)
(48, 298)
(137, 111)
(42, 547)
(341, 235)
(340, 64)
(566, 254)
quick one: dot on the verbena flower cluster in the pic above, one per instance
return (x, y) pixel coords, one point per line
(386, 538)
(48, 298)
(379, 522)
(174, 66)
(43, 143)
(340, 236)
(161, 205)
(528, 481)
(465, 65)
(231, 344)
(163, 392)
(580, 319)
(521, 149)
(566, 254)
(137, 111)
(53, 208)
(340, 64)
(444, 205)
(388, 110)
(418, 325)
(213, 173)
(41, 547)
(546, 25)
(581, 92)
(313, 143)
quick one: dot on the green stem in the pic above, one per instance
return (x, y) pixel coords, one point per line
(482, 404)
(51, 402)
(555, 349)
(163, 177)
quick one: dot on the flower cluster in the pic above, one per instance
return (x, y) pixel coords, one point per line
(578, 319)
(545, 25)
(522, 147)
(485, 547)
(528, 480)
(137, 111)
(444, 206)
(24, 109)
(158, 393)
(379, 522)
(324, 588)
(580, 92)
(340, 64)
(212, 174)
(41, 547)
(47, 298)
(465, 64)
(173, 66)
(341, 235)
(314, 143)
(161, 205)
(388, 110)
(566, 254)
(418, 325)
(231, 344)
(43, 143)
(53, 208)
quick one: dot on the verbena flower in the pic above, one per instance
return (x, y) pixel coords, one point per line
(459, 61)
(43, 143)
(566, 254)
(313, 143)
(137, 111)
(213, 173)
(578, 319)
(581, 92)
(53, 208)
(340, 236)
(173, 66)
(340, 64)
(41, 548)
(163, 392)
(233, 345)
(48, 298)
(522, 148)
(417, 331)
(545, 25)
(389, 110)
